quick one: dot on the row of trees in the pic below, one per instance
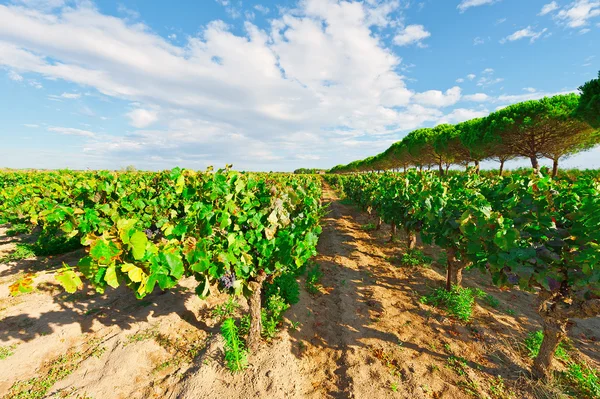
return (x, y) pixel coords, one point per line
(553, 128)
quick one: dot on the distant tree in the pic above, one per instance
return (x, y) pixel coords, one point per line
(589, 104)
(533, 128)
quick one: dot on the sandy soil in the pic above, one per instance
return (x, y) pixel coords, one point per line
(365, 336)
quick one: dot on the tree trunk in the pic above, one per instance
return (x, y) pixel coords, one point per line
(447, 167)
(441, 167)
(421, 168)
(404, 168)
(394, 230)
(255, 312)
(501, 167)
(554, 167)
(535, 164)
(379, 223)
(411, 239)
(454, 273)
(554, 332)
(477, 167)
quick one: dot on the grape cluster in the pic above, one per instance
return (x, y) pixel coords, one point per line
(152, 232)
(227, 280)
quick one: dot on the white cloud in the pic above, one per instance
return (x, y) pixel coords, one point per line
(471, 76)
(477, 97)
(317, 79)
(578, 13)
(460, 80)
(466, 4)
(262, 9)
(12, 75)
(548, 8)
(584, 31)
(436, 98)
(463, 114)
(142, 118)
(529, 89)
(412, 34)
(34, 83)
(524, 33)
(71, 96)
(478, 40)
(46, 5)
(172, 36)
(31, 125)
(529, 96)
(487, 71)
(72, 132)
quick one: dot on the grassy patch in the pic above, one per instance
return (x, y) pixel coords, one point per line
(272, 316)
(22, 251)
(414, 258)
(487, 299)
(582, 381)
(458, 302)
(18, 229)
(285, 286)
(6, 351)
(369, 227)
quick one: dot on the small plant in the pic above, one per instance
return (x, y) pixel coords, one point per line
(458, 302)
(510, 312)
(225, 310)
(498, 388)
(6, 351)
(272, 315)
(369, 227)
(294, 325)
(415, 258)
(583, 380)
(22, 251)
(313, 279)
(533, 342)
(394, 386)
(236, 356)
(286, 286)
(458, 364)
(488, 299)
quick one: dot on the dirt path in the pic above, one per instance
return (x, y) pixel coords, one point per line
(366, 335)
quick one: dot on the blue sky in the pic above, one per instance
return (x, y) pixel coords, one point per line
(271, 85)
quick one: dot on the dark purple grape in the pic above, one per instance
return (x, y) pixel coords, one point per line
(149, 233)
(227, 280)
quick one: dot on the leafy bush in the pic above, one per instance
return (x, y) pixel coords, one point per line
(286, 286)
(533, 342)
(458, 302)
(236, 356)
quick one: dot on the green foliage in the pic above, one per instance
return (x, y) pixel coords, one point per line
(286, 286)
(272, 315)
(583, 381)
(53, 241)
(589, 105)
(18, 229)
(236, 356)
(415, 258)
(458, 302)
(313, 279)
(533, 342)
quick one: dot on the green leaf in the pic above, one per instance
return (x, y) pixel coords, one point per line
(175, 264)
(138, 243)
(135, 273)
(68, 279)
(111, 276)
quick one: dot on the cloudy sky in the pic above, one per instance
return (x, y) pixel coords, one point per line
(271, 85)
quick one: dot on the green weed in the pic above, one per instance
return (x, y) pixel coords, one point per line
(286, 286)
(6, 351)
(236, 355)
(313, 279)
(583, 381)
(272, 315)
(458, 302)
(415, 258)
(533, 342)
(225, 310)
(369, 227)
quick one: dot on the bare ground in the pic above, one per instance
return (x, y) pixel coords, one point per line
(365, 336)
